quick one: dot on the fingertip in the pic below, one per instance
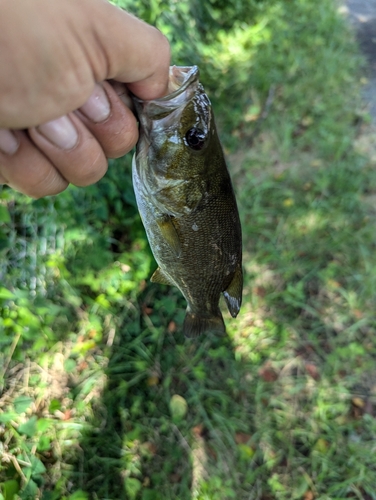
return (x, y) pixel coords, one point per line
(91, 171)
(137, 54)
(118, 134)
(82, 165)
(29, 171)
(155, 85)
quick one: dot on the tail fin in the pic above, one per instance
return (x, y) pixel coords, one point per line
(196, 324)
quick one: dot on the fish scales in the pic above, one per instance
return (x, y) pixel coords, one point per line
(187, 203)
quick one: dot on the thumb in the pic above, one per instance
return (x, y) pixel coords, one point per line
(135, 52)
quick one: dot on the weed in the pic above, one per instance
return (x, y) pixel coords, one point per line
(103, 398)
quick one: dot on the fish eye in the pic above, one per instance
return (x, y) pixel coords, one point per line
(195, 138)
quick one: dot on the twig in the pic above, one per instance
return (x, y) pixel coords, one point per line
(182, 439)
(7, 361)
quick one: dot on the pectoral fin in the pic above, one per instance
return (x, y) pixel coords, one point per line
(233, 293)
(160, 277)
(170, 234)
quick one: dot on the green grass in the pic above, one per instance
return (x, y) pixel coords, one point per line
(101, 395)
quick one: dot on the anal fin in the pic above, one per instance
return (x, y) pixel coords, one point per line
(233, 293)
(160, 277)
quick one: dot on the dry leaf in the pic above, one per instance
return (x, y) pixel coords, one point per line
(198, 430)
(67, 415)
(308, 495)
(152, 380)
(172, 327)
(312, 370)
(146, 309)
(82, 366)
(175, 478)
(260, 291)
(358, 402)
(151, 447)
(267, 372)
(358, 313)
(242, 438)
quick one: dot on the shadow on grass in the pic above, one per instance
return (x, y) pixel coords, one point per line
(289, 388)
(137, 448)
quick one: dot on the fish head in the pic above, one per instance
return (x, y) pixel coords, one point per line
(177, 133)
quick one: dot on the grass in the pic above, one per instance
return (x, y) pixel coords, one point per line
(103, 398)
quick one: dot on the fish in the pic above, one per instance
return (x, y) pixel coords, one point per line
(187, 203)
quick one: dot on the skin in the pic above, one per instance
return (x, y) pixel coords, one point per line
(58, 60)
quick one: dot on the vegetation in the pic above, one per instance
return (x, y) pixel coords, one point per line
(101, 397)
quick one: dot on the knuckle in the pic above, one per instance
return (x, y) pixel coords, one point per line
(120, 146)
(91, 170)
(46, 183)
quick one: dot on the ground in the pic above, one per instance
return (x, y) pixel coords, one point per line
(362, 14)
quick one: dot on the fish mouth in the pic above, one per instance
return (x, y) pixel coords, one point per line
(181, 77)
(183, 83)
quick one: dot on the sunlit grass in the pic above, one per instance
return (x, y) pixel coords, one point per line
(103, 398)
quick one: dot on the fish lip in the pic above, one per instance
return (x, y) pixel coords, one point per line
(184, 76)
(187, 77)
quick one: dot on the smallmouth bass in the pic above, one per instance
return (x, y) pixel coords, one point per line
(186, 202)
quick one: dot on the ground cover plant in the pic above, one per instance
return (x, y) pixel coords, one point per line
(101, 397)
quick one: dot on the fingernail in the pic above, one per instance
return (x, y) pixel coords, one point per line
(61, 132)
(8, 141)
(97, 107)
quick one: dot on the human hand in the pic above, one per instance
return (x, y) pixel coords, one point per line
(63, 70)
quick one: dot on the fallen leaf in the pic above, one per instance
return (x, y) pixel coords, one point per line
(82, 366)
(260, 291)
(358, 402)
(152, 380)
(246, 452)
(67, 415)
(198, 430)
(288, 202)
(321, 445)
(178, 406)
(172, 327)
(267, 372)
(175, 478)
(312, 370)
(242, 438)
(92, 333)
(358, 313)
(308, 495)
(150, 447)
(146, 309)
